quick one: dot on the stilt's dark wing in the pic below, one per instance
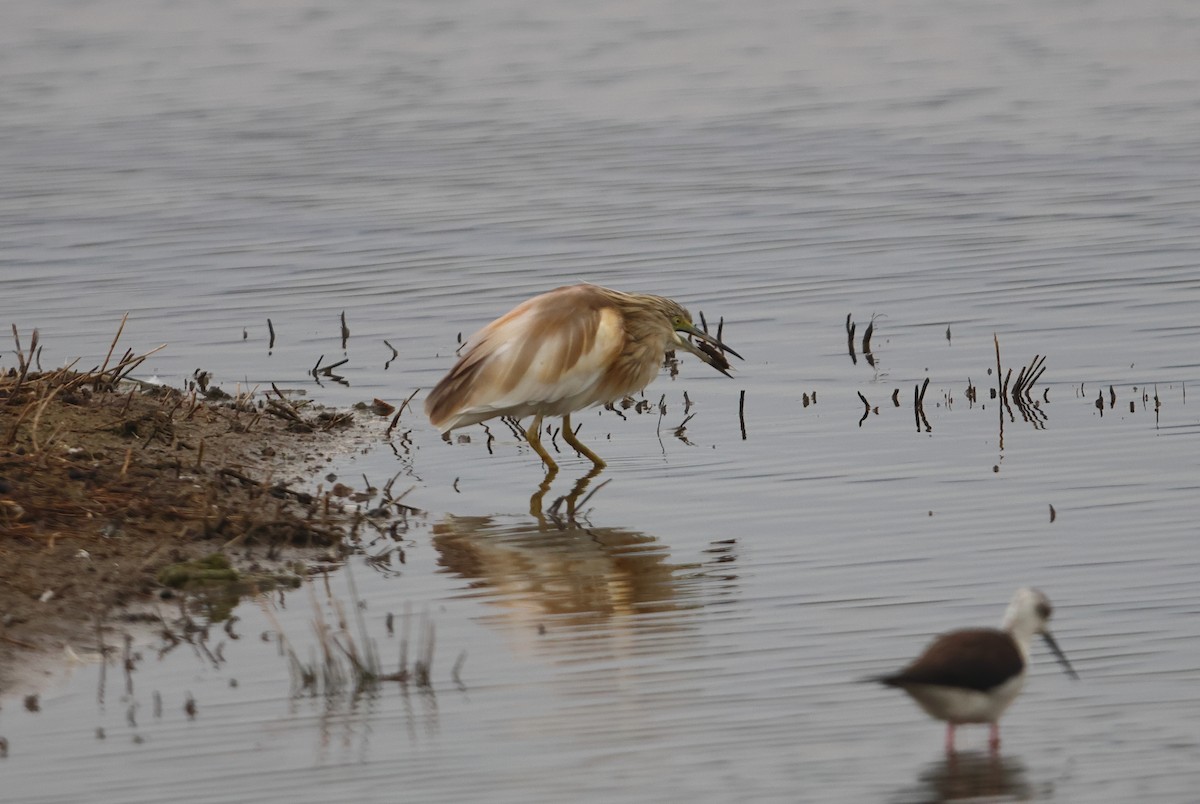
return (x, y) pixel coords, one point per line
(974, 659)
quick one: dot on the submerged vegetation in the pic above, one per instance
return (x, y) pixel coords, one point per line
(343, 663)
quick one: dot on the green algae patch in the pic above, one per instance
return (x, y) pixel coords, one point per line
(215, 570)
(213, 582)
(211, 570)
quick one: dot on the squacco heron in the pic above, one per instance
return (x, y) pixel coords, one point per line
(563, 351)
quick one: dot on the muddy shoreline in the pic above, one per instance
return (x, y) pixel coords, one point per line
(110, 486)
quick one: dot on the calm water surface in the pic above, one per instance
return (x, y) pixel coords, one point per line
(1020, 169)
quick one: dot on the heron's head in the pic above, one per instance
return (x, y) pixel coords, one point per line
(705, 346)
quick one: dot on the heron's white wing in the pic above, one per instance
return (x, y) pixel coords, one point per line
(548, 355)
(540, 363)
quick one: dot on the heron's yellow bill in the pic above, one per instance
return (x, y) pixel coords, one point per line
(708, 348)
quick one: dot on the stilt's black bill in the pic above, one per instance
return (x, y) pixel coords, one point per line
(1058, 654)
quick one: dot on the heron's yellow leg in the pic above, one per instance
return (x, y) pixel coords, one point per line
(534, 437)
(568, 435)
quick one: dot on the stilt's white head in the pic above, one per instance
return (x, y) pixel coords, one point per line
(1028, 614)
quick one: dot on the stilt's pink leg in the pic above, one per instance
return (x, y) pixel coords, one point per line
(994, 738)
(949, 738)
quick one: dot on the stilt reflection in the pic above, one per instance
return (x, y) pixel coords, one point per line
(970, 776)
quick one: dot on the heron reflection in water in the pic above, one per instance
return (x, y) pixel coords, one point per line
(577, 575)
